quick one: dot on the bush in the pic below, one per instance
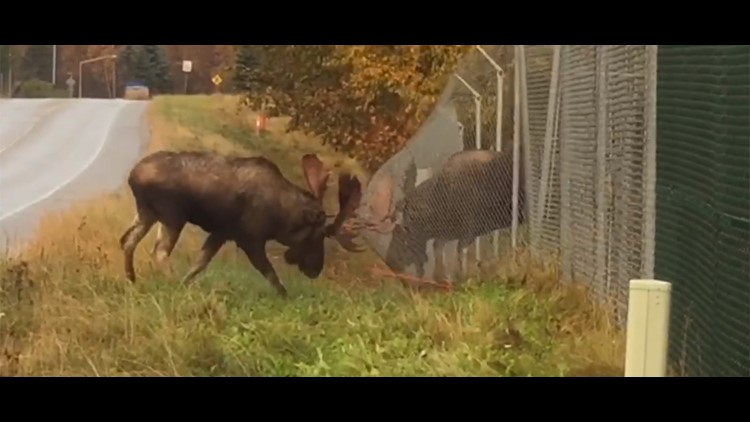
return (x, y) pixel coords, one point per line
(35, 88)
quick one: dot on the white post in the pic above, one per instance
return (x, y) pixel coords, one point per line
(499, 142)
(648, 328)
(478, 139)
(499, 127)
(516, 148)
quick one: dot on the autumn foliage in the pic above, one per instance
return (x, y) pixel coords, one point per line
(365, 100)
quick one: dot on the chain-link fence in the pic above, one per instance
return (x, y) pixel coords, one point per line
(703, 203)
(576, 131)
(594, 201)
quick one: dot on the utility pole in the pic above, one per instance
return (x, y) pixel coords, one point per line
(10, 74)
(54, 64)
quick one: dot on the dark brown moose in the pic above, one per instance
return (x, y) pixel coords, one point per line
(246, 200)
(469, 197)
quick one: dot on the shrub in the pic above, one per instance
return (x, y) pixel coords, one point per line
(35, 88)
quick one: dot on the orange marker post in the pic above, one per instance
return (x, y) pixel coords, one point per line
(260, 123)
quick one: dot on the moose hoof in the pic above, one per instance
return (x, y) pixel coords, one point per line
(282, 292)
(130, 277)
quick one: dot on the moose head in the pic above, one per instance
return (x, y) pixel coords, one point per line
(307, 239)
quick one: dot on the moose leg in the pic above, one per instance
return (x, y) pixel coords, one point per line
(437, 249)
(124, 237)
(210, 247)
(419, 264)
(159, 236)
(462, 249)
(133, 235)
(165, 243)
(256, 253)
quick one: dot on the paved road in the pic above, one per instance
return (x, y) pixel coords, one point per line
(55, 152)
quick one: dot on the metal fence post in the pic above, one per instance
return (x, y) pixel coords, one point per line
(544, 182)
(565, 153)
(516, 146)
(478, 142)
(499, 85)
(602, 137)
(649, 167)
(525, 139)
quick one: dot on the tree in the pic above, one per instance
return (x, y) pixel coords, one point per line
(148, 64)
(4, 58)
(159, 78)
(98, 75)
(37, 63)
(363, 100)
(128, 61)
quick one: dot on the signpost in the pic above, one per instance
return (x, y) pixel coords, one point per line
(187, 67)
(217, 80)
(71, 83)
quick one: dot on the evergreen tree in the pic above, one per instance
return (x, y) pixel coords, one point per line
(126, 62)
(136, 64)
(245, 65)
(37, 63)
(160, 77)
(140, 67)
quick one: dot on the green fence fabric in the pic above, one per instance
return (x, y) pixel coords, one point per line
(703, 205)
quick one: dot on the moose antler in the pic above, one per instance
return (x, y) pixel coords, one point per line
(350, 195)
(382, 219)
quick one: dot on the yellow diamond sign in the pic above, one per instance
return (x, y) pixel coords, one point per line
(217, 80)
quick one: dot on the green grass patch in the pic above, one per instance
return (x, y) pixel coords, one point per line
(231, 323)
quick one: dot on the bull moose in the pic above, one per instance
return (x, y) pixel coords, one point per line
(469, 197)
(246, 200)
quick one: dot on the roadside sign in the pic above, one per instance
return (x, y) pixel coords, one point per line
(187, 66)
(217, 80)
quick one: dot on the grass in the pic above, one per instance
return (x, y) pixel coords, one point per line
(66, 308)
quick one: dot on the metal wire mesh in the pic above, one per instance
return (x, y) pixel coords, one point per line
(627, 121)
(442, 198)
(578, 130)
(592, 202)
(703, 229)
